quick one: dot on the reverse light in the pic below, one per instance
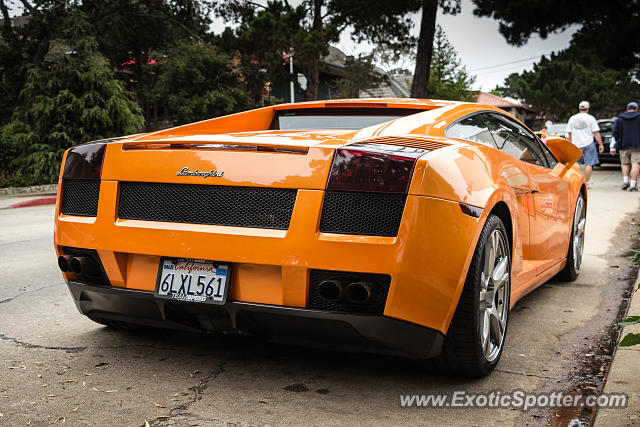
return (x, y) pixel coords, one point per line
(84, 161)
(373, 168)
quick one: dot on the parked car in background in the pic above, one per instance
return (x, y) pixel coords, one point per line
(557, 129)
(606, 132)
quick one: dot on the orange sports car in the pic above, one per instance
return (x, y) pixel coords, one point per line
(391, 225)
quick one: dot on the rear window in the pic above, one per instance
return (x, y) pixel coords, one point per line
(605, 126)
(336, 118)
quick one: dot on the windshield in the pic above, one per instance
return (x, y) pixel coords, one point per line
(605, 126)
(336, 118)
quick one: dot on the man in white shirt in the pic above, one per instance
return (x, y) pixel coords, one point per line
(582, 129)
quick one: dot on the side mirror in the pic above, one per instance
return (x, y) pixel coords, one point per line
(564, 150)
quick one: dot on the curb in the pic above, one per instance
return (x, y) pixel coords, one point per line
(29, 191)
(35, 202)
(624, 375)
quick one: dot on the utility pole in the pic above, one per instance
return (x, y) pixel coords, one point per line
(291, 85)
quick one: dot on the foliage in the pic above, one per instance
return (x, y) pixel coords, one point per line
(58, 86)
(215, 83)
(359, 74)
(448, 79)
(72, 99)
(557, 84)
(265, 33)
(632, 338)
(131, 30)
(608, 29)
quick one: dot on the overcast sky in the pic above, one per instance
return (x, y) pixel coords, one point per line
(482, 49)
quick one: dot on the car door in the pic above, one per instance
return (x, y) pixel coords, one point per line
(475, 128)
(549, 220)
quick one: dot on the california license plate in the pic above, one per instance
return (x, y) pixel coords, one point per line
(192, 280)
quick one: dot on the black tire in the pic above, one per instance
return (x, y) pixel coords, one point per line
(462, 353)
(570, 272)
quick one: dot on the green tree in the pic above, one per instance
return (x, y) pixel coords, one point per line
(264, 33)
(556, 85)
(72, 98)
(359, 74)
(511, 87)
(448, 79)
(197, 82)
(131, 30)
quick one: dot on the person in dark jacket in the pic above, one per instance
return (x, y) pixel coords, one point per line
(626, 132)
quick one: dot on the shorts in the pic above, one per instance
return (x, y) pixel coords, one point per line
(589, 155)
(629, 156)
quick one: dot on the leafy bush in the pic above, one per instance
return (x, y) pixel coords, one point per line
(74, 98)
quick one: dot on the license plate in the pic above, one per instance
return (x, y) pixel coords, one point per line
(192, 280)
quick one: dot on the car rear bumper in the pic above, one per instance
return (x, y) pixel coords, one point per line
(314, 328)
(608, 158)
(426, 261)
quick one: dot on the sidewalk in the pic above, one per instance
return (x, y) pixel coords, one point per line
(624, 377)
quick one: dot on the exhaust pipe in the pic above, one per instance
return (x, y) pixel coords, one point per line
(63, 263)
(359, 292)
(84, 265)
(331, 290)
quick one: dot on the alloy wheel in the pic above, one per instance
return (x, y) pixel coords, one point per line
(579, 221)
(494, 295)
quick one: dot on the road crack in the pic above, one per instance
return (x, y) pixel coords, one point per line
(197, 390)
(25, 344)
(4, 301)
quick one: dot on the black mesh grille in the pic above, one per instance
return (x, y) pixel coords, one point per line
(379, 290)
(101, 278)
(80, 197)
(371, 214)
(207, 204)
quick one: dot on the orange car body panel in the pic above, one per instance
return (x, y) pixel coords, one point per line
(427, 260)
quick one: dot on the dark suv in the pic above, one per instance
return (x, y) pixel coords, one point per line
(606, 132)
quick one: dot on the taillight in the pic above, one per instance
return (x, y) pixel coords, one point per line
(373, 168)
(84, 161)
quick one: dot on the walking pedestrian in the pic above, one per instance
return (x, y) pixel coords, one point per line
(582, 129)
(626, 132)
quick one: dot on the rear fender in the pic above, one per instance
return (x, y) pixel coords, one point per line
(500, 194)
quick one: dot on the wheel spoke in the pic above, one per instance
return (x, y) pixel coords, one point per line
(496, 327)
(500, 273)
(485, 329)
(489, 261)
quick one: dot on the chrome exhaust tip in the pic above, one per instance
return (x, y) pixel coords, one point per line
(83, 265)
(331, 290)
(359, 292)
(63, 263)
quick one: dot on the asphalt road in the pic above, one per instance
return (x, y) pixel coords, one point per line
(56, 366)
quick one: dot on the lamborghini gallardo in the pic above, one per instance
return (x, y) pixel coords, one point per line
(399, 226)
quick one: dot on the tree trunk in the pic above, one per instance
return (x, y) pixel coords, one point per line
(425, 49)
(313, 69)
